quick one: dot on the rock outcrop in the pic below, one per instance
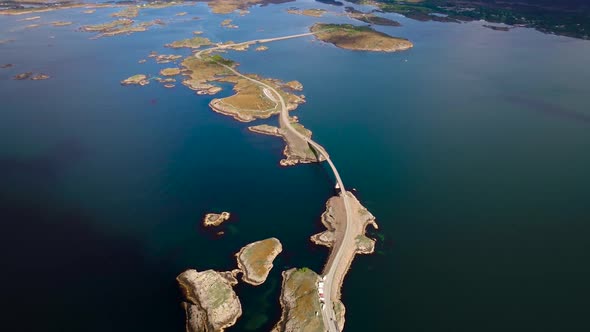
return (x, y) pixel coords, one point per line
(215, 219)
(210, 301)
(296, 150)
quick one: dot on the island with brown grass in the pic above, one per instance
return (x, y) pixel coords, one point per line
(139, 79)
(194, 42)
(215, 219)
(359, 38)
(300, 302)
(170, 71)
(255, 260)
(118, 27)
(307, 12)
(164, 58)
(250, 101)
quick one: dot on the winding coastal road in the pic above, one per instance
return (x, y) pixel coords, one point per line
(330, 270)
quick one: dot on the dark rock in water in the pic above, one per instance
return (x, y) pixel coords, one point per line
(331, 2)
(495, 27)
(352, 10)
(8, 65)
(376, 20)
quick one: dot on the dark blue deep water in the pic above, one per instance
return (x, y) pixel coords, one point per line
(472, 150)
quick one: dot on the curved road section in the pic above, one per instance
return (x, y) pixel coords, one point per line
(330, 271)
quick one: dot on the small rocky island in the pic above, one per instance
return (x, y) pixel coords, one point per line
(215, 219)
(359, 38)
(30, 76)
(255, 260)
(210, 302)
(139, 79)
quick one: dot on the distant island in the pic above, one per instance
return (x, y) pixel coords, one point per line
(359, 38)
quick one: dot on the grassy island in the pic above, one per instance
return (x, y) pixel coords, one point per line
(307, 12)
(121, 26)
(170, 71)
(255, 260)
(139, 79)
(194, 42)
(250, 101)
(300, 302)
(360, 38)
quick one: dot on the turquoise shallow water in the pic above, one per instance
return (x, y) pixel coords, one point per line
(471, 150)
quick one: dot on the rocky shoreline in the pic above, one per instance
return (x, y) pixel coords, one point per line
(215, 219)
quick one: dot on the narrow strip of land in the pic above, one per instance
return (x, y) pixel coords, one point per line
(332, 273)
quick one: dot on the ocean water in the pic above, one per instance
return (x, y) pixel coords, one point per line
(472, 150)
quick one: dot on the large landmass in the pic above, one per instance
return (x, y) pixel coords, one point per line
(359, 38)
(564, 17)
